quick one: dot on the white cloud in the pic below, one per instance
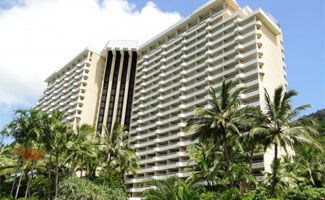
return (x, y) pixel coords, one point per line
(39, 36)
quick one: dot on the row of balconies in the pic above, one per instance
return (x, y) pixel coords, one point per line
(58, 83)
(163, 167)
(157, 177)
(60, 88)
(238, 29)
(221, 56)
(137, 142)
(216, 18)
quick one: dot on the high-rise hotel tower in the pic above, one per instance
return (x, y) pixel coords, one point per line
(95, 88)
(167, 78)
(219, 41)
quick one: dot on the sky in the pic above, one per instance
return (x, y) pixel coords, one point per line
(37, 37)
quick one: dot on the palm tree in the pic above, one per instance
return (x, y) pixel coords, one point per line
(81, 147)
(310, 163)
(280, 129)
(126, 161)
(40, 123)
(59, 134)
(241, 175)
(118, 156)
(219, 123)
(8, 160)
(286, 175)
(9, 164)
(252, 142)
(207, 165)
(26, 128)
(171, 188)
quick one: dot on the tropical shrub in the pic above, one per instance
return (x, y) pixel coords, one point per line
(173, 188)
(260, 194)
(305, 193)
(40, 187)
(230, 194)
(73, 188)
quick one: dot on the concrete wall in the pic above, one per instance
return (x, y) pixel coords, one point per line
(93, 90)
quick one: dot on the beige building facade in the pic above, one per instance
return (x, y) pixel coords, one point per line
(75, 89)
(94, 88)
(219, 41)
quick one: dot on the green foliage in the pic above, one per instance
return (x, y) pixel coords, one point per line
(118, 157)
(46, 150)
(31, 198)
(260, 194)
(230, 194)
(208, 196)
(40, 187)
(73, 188)
(173, 188)
(51, 153)
(305, 193)
(218, 129)
(280, 130)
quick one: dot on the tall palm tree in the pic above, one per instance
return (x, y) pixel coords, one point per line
(40, 123)
(81, 147)
(286, 175)
(25, 128)
(171, 188)
(118, 156)
(207, 165)
(310, 163)
(219, 123)
(280, 129)
(59, 134)
(251, 142)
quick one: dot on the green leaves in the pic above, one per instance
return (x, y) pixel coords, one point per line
(172, 188)
(73, 188)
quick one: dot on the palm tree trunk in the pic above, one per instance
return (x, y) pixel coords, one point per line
(251, 164)
(81, 167)
(14, 182)
(30, 179)
(56, 175)
(109, 158)
(19, 182)
(242, 186)
(49, 176)
(32, 174)
(72, 166)
(93, 171)
(251, 158)
(275, 168)
(227, 156)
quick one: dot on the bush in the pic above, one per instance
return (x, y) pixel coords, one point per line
(7, 198)
(260, 194)
(230, 194)
(5, 187)
(40, 187)
(305, 193)
(208, 196)
(74, 188)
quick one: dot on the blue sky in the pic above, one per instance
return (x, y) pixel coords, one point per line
(303, 27)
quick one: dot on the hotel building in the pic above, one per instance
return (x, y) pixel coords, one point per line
(73, 89)
(167, 78)
(94, 88)
(219, 41)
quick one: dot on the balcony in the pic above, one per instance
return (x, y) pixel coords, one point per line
(258, 165)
